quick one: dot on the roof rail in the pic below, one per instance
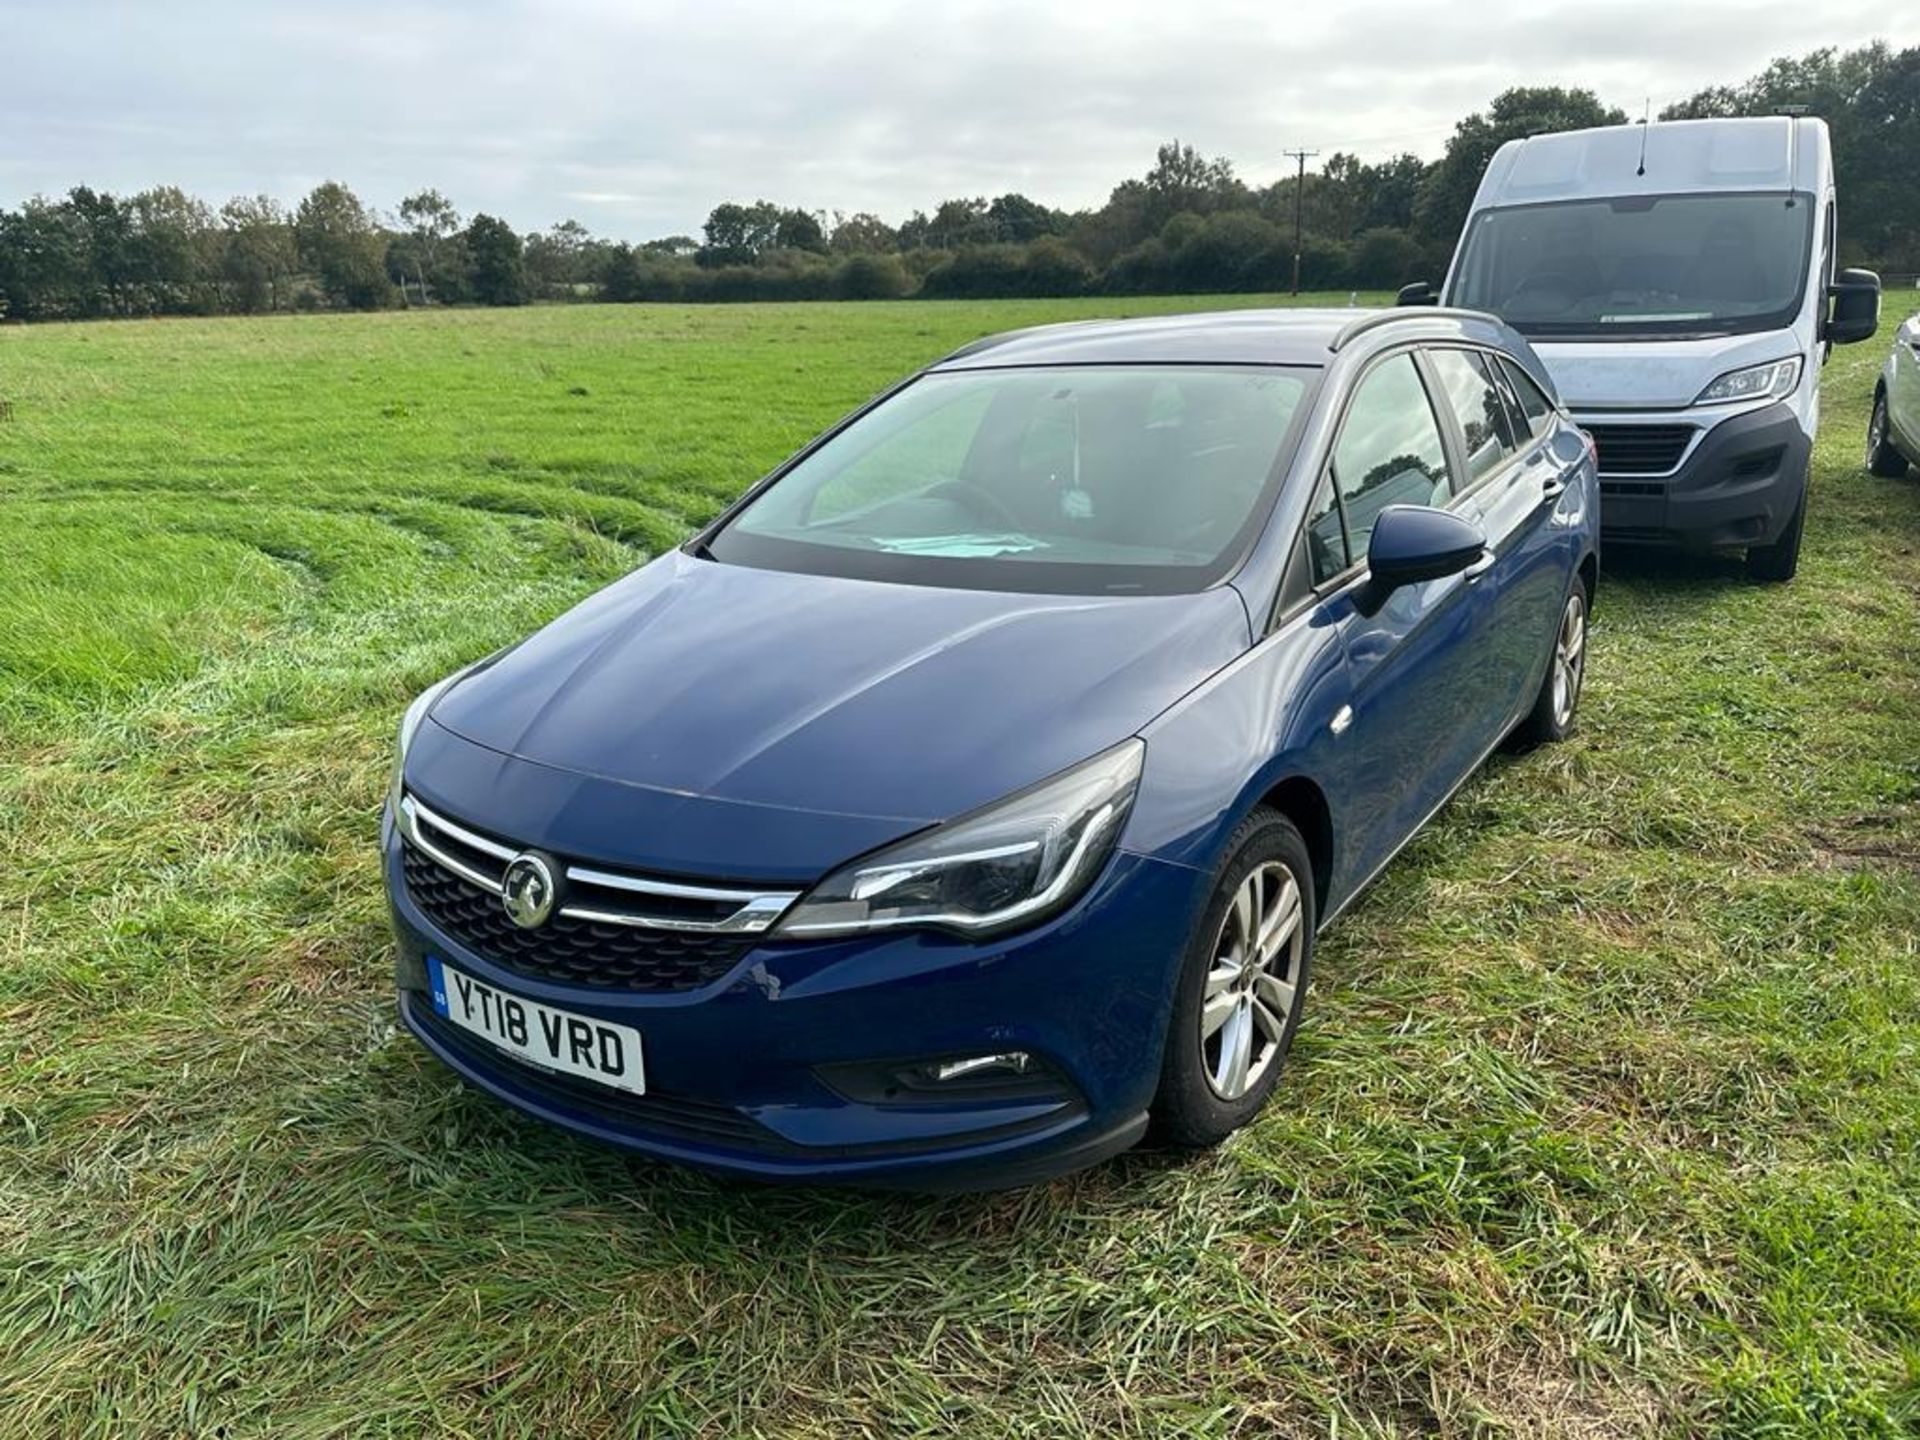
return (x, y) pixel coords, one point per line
(1374, 319)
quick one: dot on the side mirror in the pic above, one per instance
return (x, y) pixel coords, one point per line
(1418, 293)
(1856, 307)
(1412, 543)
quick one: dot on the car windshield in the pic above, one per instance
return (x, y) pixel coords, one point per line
(1663, 264)
(1083, 480)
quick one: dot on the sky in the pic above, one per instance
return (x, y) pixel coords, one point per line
(637, 118)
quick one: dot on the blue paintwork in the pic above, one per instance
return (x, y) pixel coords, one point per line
(719, 722)
(1417, 542)
(719, 698)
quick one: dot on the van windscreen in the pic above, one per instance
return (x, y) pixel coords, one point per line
(1640, 265)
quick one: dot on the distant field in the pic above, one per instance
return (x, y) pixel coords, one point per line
(1605, 1120)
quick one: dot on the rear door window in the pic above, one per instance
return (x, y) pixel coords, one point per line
(1468, 386)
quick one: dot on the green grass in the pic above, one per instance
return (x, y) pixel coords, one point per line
(1605, 1120)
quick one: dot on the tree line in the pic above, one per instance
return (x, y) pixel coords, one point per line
(1190, 224)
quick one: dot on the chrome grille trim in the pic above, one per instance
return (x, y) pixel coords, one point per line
(669, 888)
(413, 815)
(755, 912)
(502, 853)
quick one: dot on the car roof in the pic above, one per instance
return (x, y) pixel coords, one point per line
(1302, 336)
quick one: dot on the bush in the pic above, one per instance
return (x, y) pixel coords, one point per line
(1385, 258)
(922, 261)
(1324, 265)
(977, 272)
(871, 277)
(1054, 267)
(1049, 266)
(1224, 252)
(1146, 269)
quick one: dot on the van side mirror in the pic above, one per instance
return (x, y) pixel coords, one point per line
(1856, 307)
(1418, 293)
(1412, 543)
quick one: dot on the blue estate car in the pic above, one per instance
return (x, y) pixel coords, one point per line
(962, 804)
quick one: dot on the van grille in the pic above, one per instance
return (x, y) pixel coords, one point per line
(1640, 449)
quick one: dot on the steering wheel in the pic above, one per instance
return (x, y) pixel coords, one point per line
(1549, 284)
(980, 500)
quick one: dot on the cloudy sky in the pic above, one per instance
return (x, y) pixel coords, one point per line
(636, 118)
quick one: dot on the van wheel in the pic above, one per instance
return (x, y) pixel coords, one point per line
(1776, 563)
(1883, 458)
(1241, 988)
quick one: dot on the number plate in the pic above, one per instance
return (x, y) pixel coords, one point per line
(542, 1035)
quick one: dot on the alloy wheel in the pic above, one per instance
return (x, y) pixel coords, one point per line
(1569, 658)
(1252, 982)
(1877, 428)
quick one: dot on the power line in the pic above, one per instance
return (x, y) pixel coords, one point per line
(1299, 186)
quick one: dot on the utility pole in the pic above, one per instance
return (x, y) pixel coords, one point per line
(1299, 186)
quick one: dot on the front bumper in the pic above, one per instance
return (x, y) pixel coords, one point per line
(1738, 484)
(735, 1069)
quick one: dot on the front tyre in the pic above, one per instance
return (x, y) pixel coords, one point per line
(1551, 719)
(1777, 563)
(1883, 457)
(1241, 989)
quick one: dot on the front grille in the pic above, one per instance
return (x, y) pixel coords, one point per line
(601, 927)
(567, 950)
(1640, 449)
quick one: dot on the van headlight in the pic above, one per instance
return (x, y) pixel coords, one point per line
(1772, 381)
(1012, 864)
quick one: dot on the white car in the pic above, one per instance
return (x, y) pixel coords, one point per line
(1893, 433)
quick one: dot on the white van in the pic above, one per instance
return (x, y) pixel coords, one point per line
(1678, 281)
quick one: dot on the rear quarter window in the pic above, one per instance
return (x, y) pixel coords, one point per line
(1533, 400)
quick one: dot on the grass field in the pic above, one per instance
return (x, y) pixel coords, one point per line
(1605, 1120)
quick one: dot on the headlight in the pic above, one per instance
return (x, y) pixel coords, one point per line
(1011, 864)
(1772, 381)
(410, 723)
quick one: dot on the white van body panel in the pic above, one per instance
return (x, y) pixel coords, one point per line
(1609, 375)
(1654, 380)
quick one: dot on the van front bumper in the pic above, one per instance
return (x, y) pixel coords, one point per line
(1736, 484)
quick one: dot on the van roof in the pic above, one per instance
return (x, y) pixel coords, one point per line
(1681, 157)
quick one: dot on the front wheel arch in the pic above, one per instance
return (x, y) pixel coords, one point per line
(1303, 802)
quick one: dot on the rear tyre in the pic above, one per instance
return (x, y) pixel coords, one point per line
(1883, 457)
(1241, 988)
(1776, 563)
(1551, 719)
